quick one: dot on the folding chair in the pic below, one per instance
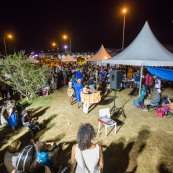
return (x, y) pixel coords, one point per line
(104, 119)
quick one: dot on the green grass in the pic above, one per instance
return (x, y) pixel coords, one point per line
(38, 101)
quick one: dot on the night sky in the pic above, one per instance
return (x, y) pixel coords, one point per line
(89, 23)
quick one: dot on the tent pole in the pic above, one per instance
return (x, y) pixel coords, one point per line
(140, 80)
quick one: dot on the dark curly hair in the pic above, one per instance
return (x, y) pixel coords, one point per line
(85, 134)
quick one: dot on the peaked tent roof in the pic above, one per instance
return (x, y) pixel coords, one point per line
(68, 58)
(144, 50)
(100, 55)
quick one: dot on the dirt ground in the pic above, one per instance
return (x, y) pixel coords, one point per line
(143, 143)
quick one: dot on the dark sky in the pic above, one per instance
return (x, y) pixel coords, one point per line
(90, 23)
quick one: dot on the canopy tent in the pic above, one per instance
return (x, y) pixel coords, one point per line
(68, 58)
(144, 50)
(100, 55)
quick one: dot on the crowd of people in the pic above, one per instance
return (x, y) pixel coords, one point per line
(85, 156)
(150, 94)
(41, 157)
(90, 79)
(13, 115)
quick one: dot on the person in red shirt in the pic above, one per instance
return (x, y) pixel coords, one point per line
(148, 82)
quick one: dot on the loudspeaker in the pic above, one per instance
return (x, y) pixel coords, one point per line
(116, 77)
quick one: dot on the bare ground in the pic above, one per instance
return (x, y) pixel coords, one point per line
(143, 143)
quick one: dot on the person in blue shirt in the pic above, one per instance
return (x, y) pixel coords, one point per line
(73, 80)
(78, 74)
(136, 77)
(43, 156)
(78, 86)
(143, 93)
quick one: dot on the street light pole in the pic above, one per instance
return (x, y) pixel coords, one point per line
(5, 47)
(124, 22)
(70, 45)
(57, 51)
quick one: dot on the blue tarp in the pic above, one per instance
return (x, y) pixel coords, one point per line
(163, 73)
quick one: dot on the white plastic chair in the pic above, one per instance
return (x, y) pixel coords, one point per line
(104, 119)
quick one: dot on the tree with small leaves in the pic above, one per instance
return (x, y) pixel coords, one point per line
(25, 77)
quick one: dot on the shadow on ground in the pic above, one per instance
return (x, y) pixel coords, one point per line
(6, 134)
(39, 111)
(122, 157)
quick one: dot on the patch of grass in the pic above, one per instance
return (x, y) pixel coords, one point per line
(38, 101)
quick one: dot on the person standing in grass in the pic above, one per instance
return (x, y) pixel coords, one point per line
(70, 92)
(64, 73)
(78, 86)
(86, 157)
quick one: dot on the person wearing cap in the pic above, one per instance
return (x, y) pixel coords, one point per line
(154, 100)
(11, 154)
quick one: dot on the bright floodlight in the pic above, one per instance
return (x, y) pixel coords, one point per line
(53, 44)
(65, 37)
(124, 10)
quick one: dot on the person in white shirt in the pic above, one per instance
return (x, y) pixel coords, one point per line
(86, 157)
(157, 83)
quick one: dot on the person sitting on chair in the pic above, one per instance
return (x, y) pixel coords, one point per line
(154, 100)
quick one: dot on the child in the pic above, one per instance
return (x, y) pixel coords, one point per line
(70, 92)
(42, 155)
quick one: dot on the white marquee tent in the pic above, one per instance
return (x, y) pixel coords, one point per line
(68, 58)
(144, 50)
(100, 55)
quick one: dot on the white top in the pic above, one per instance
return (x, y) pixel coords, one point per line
(158, 84)
(85, 91)
(91, 157)
(10, 161)
(70, 84)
